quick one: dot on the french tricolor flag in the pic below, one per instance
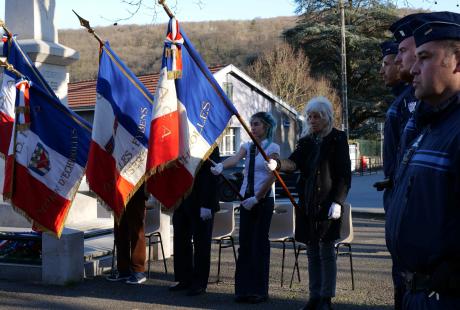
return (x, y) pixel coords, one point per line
(46, 157)
(121, 127)
(190, 114)
(7, 101)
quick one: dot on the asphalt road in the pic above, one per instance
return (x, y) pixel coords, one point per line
(371, 261)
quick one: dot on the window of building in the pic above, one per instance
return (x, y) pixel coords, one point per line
(228, 143)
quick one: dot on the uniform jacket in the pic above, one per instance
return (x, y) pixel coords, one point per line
(423, 220)
(396, 118)
(325, 177)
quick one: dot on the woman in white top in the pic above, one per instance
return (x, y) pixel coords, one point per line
(252, 267)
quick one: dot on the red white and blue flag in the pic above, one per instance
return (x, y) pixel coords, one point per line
(46, 157)
(190, 114)
(121, 127)
(21, 62)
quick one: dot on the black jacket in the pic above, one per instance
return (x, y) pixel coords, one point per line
(205, 191)
(325, 177)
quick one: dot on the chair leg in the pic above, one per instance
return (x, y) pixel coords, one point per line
(114, 253)
(351, 268)
(233, 247)
(163, 253)
(296, 265)
(218, 263)
(282, 263)
(150, 256)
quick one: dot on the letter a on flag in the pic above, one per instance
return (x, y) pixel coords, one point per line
(190, 114)
(46, 157)
(121, 127)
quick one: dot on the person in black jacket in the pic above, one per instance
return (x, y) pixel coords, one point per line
(322, 156)
(193, 219)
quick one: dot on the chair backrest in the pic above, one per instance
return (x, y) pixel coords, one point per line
(224, 220)
(346, 229)
(152, 219)
(283, 221)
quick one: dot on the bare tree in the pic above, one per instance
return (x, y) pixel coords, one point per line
(286, 73)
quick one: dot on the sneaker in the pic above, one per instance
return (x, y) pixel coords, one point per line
(114, 277)
(136, 278)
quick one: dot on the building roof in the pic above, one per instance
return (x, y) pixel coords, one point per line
(82, 95)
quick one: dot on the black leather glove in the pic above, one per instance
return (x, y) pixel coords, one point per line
(380, 186)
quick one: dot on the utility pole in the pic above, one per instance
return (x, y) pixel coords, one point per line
(344, 72)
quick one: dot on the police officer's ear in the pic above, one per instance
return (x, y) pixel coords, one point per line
(457, 58)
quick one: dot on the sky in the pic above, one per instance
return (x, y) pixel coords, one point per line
(106, 12)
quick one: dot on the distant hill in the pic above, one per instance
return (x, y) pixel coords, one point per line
(219, 42)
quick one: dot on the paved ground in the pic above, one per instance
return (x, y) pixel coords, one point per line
(372, 265)
(371, 269)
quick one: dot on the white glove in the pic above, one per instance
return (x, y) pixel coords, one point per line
(335, 211)
(205, 214)
(249, 203)
(271, 165)
(217, 169)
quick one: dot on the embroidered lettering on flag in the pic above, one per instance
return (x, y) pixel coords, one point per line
(118, 152)
(191, 113)
(47, 161)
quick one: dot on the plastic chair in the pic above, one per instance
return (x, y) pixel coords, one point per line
(282, 229)
(222, 230)
(346, 237)
(152, 233)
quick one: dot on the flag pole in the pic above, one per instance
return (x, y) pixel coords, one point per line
(85, 23)
(240, 119)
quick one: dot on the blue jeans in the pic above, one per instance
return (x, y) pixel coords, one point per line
(322, 269)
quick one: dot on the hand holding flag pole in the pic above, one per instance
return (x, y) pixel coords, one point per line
(243, 123)
(232, 186)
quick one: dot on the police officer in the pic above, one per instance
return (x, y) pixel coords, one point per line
(193, 220)
(404, 104)
(390, 74)
(423, 219)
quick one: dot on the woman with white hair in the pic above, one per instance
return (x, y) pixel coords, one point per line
(253, 264)
(322, 157)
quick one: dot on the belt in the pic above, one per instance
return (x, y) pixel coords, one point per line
(416, 282)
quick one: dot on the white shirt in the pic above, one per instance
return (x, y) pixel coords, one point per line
(260, 173)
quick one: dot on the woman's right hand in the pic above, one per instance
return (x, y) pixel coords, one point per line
(271, 165)
(217, 169)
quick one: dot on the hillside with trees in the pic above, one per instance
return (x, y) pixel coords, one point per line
(141, 47)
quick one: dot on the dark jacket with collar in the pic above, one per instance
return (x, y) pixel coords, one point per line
(325, 177)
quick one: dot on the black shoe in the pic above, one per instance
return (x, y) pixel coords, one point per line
(324, 304)
(312, 304)
(257, 299)
(180, 286)
(195, 291)
(241, 299)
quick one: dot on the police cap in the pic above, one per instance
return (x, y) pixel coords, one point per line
(389, 48)
(438, 26)
(404, 27)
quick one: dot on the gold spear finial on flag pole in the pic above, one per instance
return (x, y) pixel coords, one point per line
(166, 8)
(3, 25)
(85, 23)
(5, 64)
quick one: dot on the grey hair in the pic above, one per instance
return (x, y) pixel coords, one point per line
(323, 107)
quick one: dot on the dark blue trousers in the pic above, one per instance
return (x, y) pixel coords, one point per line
(192, 261)
(253, 264)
